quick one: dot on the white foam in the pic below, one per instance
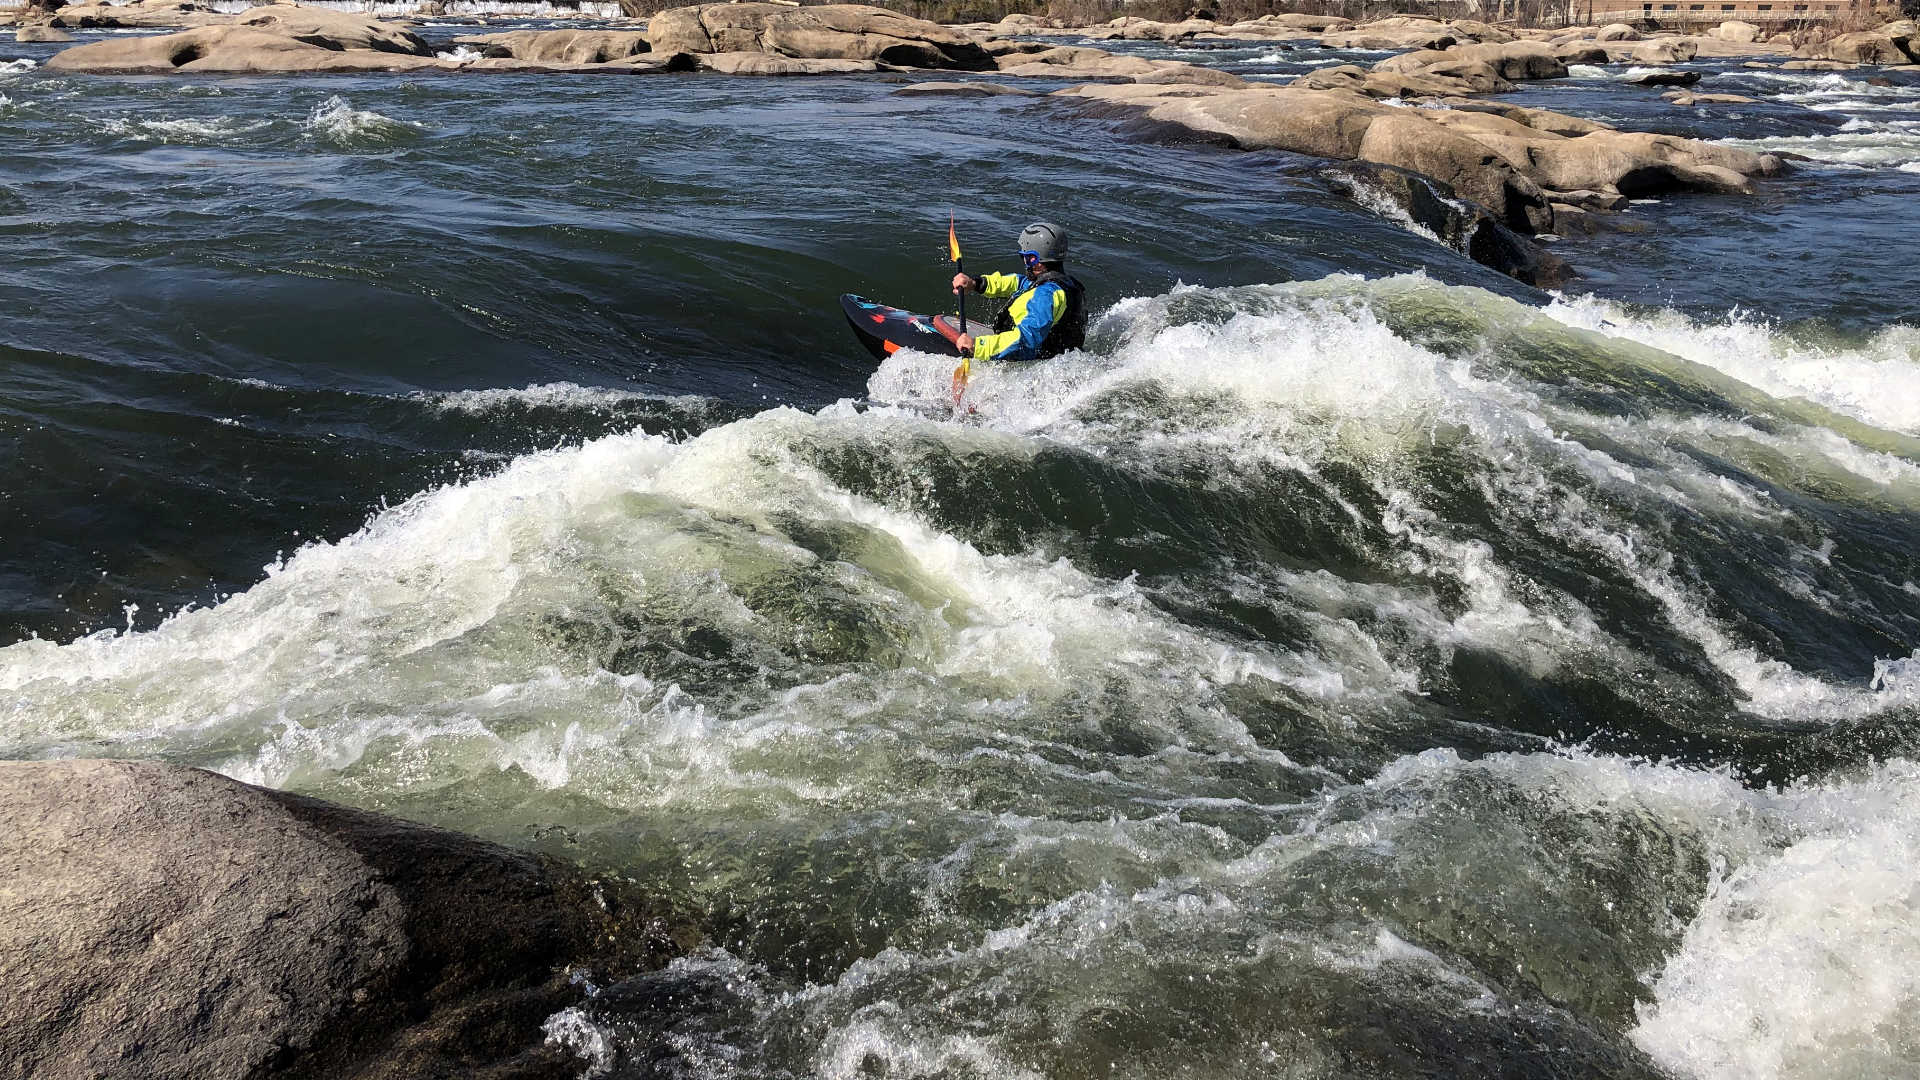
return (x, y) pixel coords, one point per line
(555, 395)
(1894, 146)
(463, 54)
(185, 130)
(1804, 963)
(1878, 382)
(336, 121)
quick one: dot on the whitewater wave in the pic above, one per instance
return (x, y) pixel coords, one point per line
(187, 130)
(1215, 678)
(563, 396)
(335, 121)
(1877, 381)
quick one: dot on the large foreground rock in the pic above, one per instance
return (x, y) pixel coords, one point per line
(162, 922)
(827, 32)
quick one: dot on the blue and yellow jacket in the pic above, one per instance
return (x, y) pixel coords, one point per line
(1044, 319)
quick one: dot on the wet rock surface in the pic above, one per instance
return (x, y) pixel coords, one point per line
(161, 921)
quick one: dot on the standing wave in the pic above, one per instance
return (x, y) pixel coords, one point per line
(1337, 677)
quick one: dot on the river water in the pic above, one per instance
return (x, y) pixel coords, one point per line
(1354, 663)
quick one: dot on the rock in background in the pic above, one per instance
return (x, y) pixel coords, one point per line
(164, 922)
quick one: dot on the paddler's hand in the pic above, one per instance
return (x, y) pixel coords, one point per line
(965, 344)
(962, 283)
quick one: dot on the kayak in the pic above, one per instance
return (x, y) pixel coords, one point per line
(886, 330)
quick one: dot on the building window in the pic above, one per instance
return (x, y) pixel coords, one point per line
(1696, 7)
(1763, 7)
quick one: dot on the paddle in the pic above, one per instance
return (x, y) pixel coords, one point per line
(960, 373)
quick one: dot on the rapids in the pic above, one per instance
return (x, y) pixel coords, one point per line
(1351, 664)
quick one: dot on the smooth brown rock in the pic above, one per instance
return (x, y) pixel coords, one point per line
(334, 29)
(759, 63)
(231, 49)
(1452, 219)
(164, 923)
(1456, 159)
(1617, 32)
(566, 46)
(1581, 52)
(142, 14)
(1686, 99)
(40, 35)
(1736, 30)
(1313, 122)
(827, 32)
(1514, 61)
(1865, 47)
(1658, 51)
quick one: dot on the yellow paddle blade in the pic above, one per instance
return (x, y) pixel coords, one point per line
(960, 382)
(953, 239)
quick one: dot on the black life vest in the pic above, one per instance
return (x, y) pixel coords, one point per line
(1068, 333)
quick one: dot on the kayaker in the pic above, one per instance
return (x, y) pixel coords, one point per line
(1047, 314)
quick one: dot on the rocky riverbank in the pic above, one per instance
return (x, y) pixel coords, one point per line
(165, 922)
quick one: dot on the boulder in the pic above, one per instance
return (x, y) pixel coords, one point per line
(1616, 32)
(1081, 62)
(1455, 221)
(1864, 47)
(1470, 30)
(564, 46)
(1515, 61)
(1665, 78)
(1581, 52)
(230, 49)
(40, 34)
(1453, 158)
(828, 32)
(141, 14)
(1312, 122)
(1657, 51)
(1426, 35)
(1319, 24)
(1686, 99)
(758, 63)
(1149, 30)
(1737, 31)
(167, 923)
(1817, 65)
(335, 30)
(1444, 80)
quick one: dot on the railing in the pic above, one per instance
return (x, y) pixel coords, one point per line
(1669, 13)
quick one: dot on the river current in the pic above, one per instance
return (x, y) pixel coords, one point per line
(1353, 663)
